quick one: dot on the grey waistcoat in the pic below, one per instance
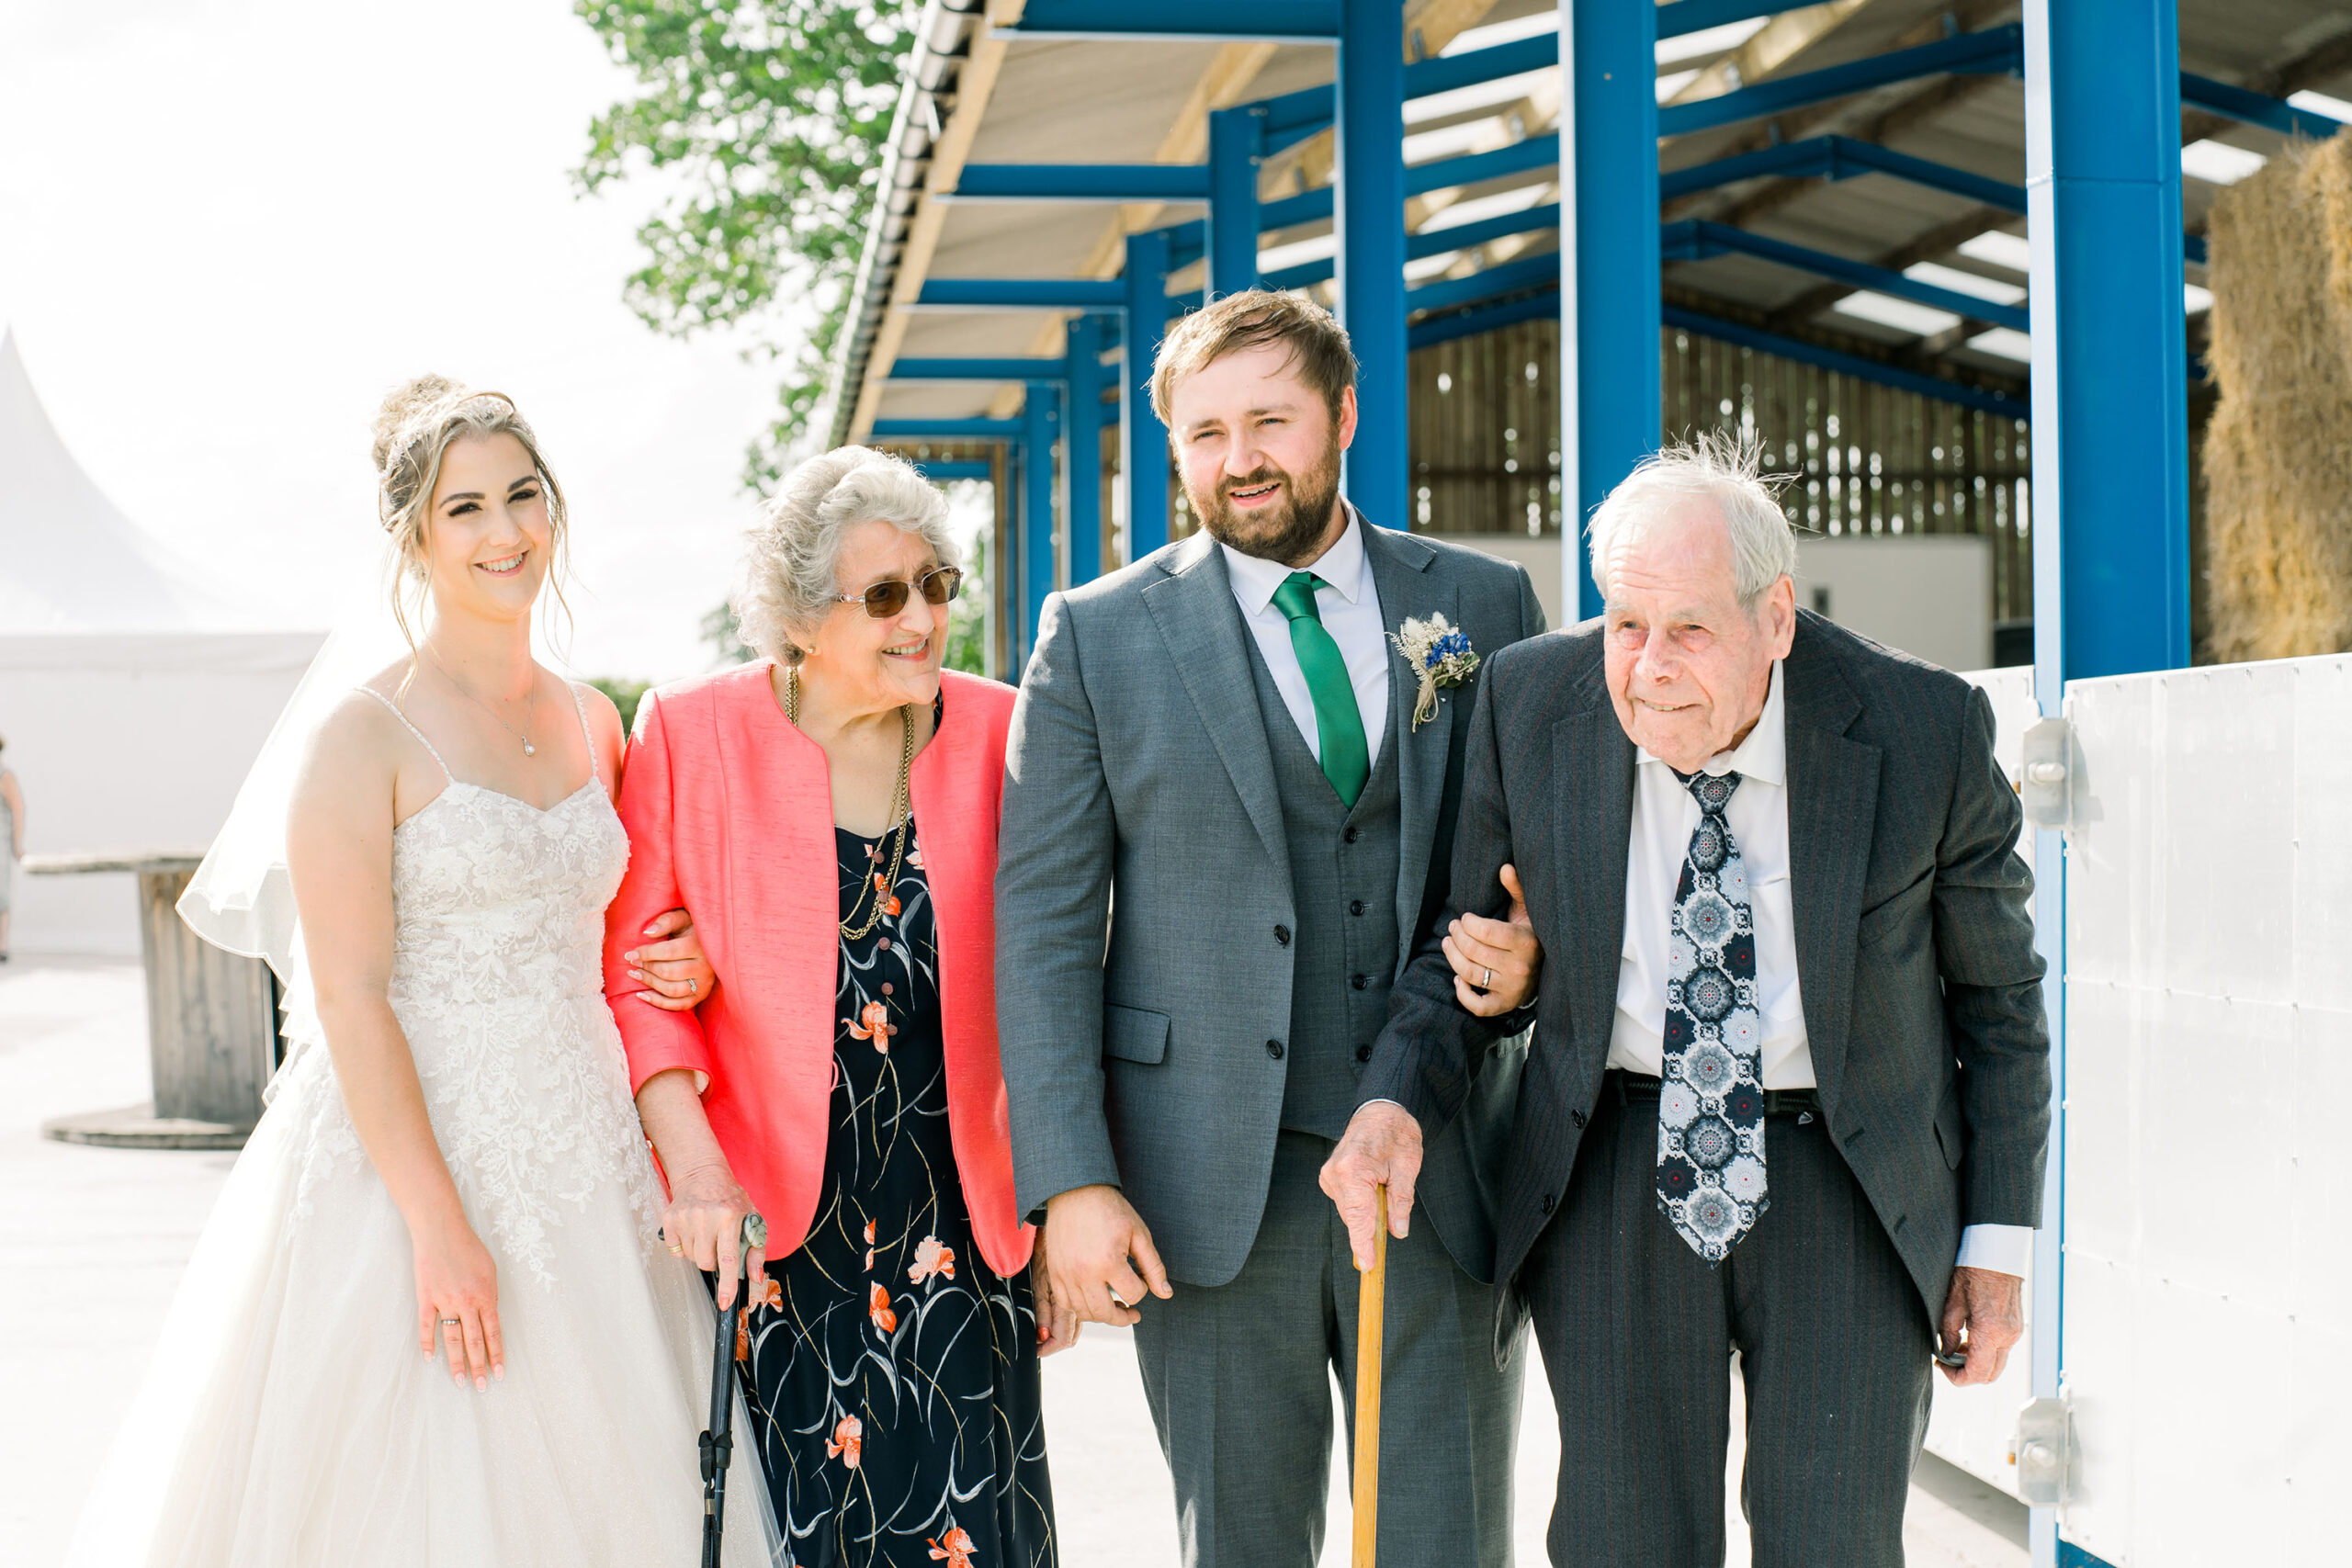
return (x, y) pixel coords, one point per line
(1345, 951)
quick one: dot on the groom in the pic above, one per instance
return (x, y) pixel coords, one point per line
(1225, 825)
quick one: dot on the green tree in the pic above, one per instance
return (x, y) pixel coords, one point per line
(624, 692)
(764, 123)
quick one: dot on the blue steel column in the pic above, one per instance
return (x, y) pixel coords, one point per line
(1040, 423)
(1142, 440)
(1369, 218)
(1609, 268)
(1233, 200)
(1082, 436)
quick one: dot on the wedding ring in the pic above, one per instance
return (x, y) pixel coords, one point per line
(693, 986)
(453, 1323)
(1489, 983)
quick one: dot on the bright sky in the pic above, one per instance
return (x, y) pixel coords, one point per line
(228, 226)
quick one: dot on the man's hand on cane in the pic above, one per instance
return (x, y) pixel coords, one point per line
(1382, 1148)
(1099, 1256)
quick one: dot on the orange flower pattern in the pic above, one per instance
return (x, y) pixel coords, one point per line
(896, 1424)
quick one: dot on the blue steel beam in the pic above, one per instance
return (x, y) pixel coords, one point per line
(1142, 440)
(1232, 182)
(1083, 442)
(1373, 182)
(1081, 182)
(975, 369)
(1440, 174)
(1040, 425)
(947, 430)
(1608, 267)
(1839, 158)
(1854, 365)
(1293, 117)
(1545, 307)
(1685, 17)
(1993, 50)
(1695, 240)
(940, 473)
(1291, 21)
(1020, 294)
(2256, 108)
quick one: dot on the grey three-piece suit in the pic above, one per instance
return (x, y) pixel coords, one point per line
(1923, 1013)
(1195, 943)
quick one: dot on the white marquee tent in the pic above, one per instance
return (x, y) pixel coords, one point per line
(133, 693)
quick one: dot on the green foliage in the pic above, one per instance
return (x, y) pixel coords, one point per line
(765, 120)
(724, 637)
(625, 695)
(967, 633)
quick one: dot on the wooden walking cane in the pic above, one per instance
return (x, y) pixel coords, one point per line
(1370, 1293)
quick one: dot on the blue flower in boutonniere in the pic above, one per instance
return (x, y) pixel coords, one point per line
(1441, 656)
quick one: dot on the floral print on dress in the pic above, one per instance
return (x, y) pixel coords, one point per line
(896, 1430)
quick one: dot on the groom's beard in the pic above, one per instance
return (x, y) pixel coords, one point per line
(1289, 532)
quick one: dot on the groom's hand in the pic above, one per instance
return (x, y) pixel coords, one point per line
(670, 966)
(1382, 1148)
(1099, 1256)
(1495, 962)
(1985, 1315)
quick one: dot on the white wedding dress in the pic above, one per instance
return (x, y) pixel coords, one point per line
(291, 1420)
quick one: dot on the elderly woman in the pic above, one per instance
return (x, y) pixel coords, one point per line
(829, 817)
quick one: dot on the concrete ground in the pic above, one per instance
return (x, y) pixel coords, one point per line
(92, 1242)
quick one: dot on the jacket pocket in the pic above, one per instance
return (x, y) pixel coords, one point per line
(1133, 1035)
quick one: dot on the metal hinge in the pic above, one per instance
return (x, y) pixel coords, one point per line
(2046, 781)
(2044, 1449)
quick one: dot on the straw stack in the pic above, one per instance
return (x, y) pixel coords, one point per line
(2278, 450)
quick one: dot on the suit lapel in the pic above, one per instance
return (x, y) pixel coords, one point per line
(1593, 769)
(1833, 808)
(1409, 589)
(1201, 625)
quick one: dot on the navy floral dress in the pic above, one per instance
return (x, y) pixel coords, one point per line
(891, 1374)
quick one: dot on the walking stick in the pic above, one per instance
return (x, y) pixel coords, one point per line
(717, 1443)
(1370, 1293)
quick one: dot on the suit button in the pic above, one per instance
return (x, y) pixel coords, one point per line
(1576, 1117)
(1274, 1049)
(1546, 1205)
(1355, 905)
(1359, 981)
(1282, 935)
(1363, 1053)
(1349, 837)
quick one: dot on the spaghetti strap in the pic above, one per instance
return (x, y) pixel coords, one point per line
(587, 736)
(412, 729)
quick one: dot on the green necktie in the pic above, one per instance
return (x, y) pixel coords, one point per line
(1339, 725)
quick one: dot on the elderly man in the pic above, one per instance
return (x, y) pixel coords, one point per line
(1790, 1087)
(1223, 742)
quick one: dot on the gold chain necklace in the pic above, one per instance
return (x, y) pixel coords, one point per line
(901, 810)
(524, 734)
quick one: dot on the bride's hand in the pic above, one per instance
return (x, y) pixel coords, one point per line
(1057, 1323)
(457, 1301)
(703, 1223)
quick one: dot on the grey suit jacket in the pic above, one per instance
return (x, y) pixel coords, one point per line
(1922, 988)
(1144, 900)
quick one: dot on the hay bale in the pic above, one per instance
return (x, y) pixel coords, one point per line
(2278, 450)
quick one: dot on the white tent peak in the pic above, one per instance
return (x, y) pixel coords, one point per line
(71, 560)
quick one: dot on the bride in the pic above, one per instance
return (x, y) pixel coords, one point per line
(430, 1321)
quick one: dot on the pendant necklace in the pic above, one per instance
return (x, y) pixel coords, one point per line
(524, 734)
(901, 813)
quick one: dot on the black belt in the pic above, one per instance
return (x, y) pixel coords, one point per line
(1630, 1087)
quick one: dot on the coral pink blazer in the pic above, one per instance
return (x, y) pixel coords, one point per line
(729, 815)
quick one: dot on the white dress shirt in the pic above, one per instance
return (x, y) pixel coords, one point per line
(1349, 607)
(1664, 816)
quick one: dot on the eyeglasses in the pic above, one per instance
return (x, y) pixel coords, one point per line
(885, 599)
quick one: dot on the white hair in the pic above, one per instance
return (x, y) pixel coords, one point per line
(787, 579)
(1716, 465)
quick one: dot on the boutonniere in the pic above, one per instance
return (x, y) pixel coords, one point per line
(1441, 656)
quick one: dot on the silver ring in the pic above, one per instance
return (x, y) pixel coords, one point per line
(453, 1323)
(693, 986)
(1490, 981)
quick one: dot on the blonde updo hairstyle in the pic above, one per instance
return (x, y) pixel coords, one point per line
(789, 575)
(417, 424)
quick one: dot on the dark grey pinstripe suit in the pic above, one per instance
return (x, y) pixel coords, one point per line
(1924, 1016)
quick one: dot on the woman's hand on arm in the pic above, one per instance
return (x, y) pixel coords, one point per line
(671, 963)
(702, 1221)
(339, 852)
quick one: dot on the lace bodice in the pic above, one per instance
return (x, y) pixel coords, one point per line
(497, 982)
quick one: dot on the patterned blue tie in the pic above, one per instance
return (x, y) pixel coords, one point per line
(1711, 1105)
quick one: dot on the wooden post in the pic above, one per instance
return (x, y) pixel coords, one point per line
(1371, 1294)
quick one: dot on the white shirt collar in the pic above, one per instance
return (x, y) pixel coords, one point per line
(1343, 566)
(1763, 756)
